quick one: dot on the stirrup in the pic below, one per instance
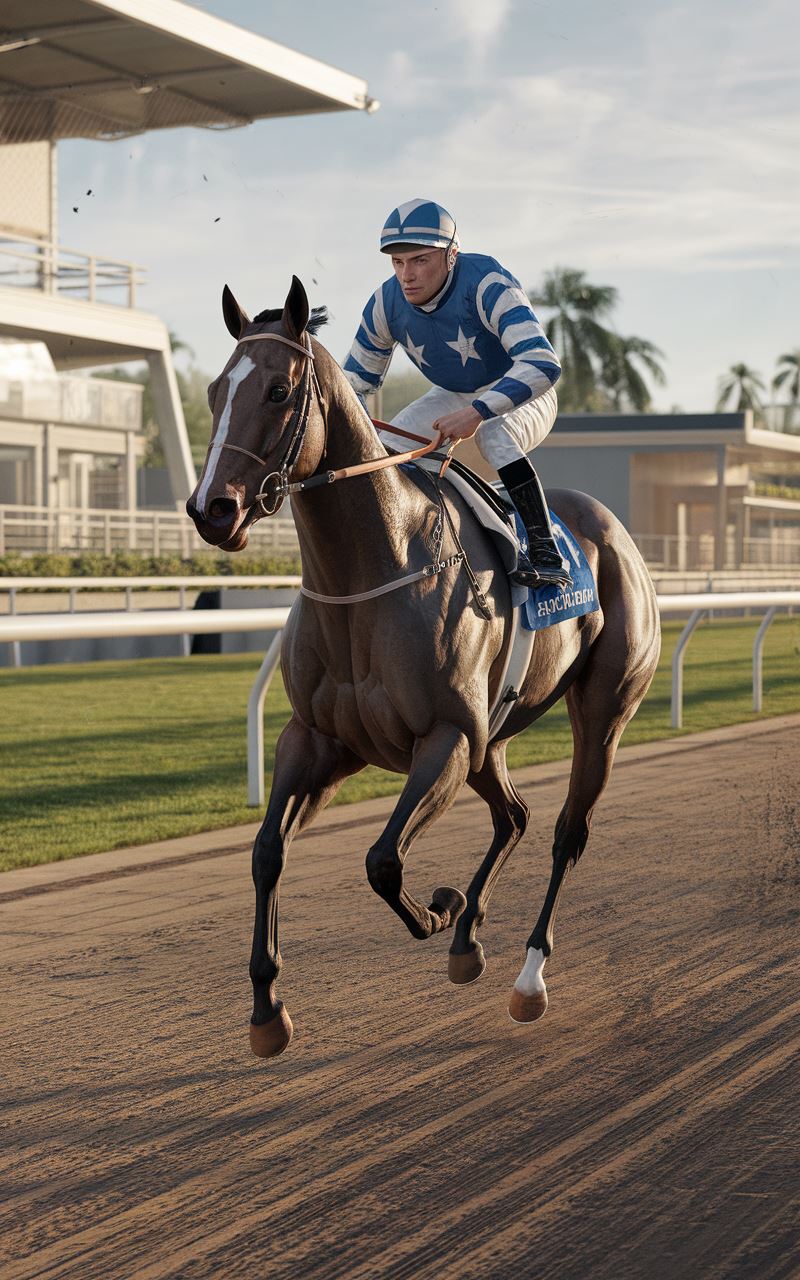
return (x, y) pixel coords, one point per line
(529, 574)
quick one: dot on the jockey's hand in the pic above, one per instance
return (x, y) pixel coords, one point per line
(460, 425)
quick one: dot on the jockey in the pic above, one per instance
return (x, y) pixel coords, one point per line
(468, 325)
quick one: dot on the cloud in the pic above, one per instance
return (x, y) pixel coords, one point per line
(670, 155)
(478, 21)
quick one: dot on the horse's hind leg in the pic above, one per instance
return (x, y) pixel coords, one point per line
(438, 771)
(599, 709)
(309, 769)
(510, 818)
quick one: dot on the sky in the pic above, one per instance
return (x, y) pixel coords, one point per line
(655, 146)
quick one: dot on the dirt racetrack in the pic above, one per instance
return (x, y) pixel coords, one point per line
(647, 1127)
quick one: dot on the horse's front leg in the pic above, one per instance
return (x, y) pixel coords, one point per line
(510, 818)
(438, 771)
(309, 769)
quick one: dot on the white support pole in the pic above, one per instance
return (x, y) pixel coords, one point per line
(186, 640)
(16, 652)
(758, 655)
(255, 723)
(171, 425)
(677, 668)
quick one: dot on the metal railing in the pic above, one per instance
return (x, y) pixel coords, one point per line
(28, 263)
(177, 622)
(698, 605)
(77, 529)
(70, 398)
(695, 553)
(184, 585)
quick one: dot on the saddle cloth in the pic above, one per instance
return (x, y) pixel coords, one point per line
(533, 609)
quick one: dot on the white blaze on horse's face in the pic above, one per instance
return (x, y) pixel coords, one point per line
(236, 377)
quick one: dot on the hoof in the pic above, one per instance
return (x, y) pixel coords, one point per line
(269, 1039)
(448, 905)
(524, 1008)
(466, 967)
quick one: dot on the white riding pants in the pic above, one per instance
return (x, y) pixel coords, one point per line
(500, 440)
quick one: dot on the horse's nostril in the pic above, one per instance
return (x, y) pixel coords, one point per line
(222, 510)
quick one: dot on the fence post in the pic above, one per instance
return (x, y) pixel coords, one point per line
(677, 669)
(186, 640)
(255, 723)
(16, 652)
(758, 654)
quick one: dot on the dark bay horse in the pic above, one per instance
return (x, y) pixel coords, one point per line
(405, 679)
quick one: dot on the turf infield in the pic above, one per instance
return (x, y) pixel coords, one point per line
(103, 755)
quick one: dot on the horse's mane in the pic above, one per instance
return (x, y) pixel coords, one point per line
(319, 316)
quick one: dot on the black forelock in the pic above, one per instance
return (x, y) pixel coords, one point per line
(319, 316)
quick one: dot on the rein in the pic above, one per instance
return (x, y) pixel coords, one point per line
(276, 486)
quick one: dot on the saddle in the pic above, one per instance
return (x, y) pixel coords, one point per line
(533, 609)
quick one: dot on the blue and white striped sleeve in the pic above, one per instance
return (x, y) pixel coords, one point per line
(368, 360)
(505, 310)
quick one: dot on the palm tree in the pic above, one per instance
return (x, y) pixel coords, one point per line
(575, 330)
(742, 384)
(789, 377)
(177, 344)
(622, 380)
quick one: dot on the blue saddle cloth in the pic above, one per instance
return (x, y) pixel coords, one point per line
(548, 605)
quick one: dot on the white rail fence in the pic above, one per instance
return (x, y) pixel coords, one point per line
(183, 585)
(150, 622)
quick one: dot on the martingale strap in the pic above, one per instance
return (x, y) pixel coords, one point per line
(429, 571)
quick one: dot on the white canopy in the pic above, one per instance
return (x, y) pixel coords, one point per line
(109, 68)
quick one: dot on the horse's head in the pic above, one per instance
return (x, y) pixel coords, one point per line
(267, 420)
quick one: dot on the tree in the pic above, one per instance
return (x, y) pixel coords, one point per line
(621, 379)
(598, 370)
(742, 385)
(788, 377)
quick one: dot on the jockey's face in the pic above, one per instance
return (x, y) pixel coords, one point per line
(420, 273)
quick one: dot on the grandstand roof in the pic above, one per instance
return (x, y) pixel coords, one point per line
(111, 68)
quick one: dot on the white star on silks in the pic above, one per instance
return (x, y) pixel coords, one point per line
(465, 346)
(415, 352)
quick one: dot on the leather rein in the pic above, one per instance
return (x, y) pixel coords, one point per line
(276, 486)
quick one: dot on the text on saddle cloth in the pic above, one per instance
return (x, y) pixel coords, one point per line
(550, 604)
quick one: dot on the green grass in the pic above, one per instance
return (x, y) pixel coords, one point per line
(103, 755)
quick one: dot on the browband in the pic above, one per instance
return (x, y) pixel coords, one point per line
(276, 337)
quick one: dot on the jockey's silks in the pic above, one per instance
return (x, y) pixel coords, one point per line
(480, 329)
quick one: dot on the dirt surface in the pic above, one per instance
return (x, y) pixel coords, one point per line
(647, 1127)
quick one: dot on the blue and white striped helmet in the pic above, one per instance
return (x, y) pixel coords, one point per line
(422, 222)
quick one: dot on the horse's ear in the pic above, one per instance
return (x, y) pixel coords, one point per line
(236, 320)
(295, 309)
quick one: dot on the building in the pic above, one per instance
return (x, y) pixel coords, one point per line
(697, 491)
(90, 69)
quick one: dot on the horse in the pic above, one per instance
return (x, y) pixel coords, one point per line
(393, 659)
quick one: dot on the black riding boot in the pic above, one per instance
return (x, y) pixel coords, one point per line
(543, 566)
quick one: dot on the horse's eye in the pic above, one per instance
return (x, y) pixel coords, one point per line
(279, 393)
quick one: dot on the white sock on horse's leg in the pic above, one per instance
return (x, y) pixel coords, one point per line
(531, 979)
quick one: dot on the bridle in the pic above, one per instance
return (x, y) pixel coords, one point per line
(276, 486)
